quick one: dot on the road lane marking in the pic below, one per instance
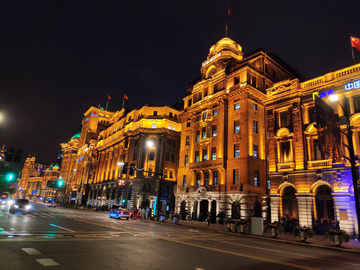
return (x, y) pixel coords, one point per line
(243, 255)
(31, 251)
(61, 227)
(47, 262)
(295, 254)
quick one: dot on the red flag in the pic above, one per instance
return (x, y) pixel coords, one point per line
(355, 42)
(126, 97)
(109, 96)
(228, 11)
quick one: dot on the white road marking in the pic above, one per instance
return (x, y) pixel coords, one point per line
(199, 269)
(295, 254)
(47, 262)
(31, 251)
(61, 227)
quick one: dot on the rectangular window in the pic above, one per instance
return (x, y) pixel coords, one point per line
(255, 151)
(256, 178)
(284, 119)
(236, 106)
(170, 115)
(206, 178)
(255, 106)
(204, 155)
(172, 158)
(203, 132)
(198, 179)
(213, 153)
(135, 154)
(215, 178)
(187, 142)
(214, 130)
(255, 126)
(237, 126)
(236, 80)
(205, 92)
(188, 124)
(189, 102)
(235, 176)
(153, 126)
(152, 155)
(184, 181)
(236, 150)
(268, 184)
(167, 157)
(215, 112)
(356, 100)
(204, 115)
(155, 113)
(197, 157)
(169, 126)
(186, 160)
(171, 174)
(198, 118)
(198, 135)
(174, 129)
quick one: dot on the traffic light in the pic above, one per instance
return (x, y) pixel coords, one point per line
(60, 183)
(9, 177)
(132, 168)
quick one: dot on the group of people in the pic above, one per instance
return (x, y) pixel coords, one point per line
(141, 213)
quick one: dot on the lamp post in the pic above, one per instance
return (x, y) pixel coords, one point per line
(350, 147)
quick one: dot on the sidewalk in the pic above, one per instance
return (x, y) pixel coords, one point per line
(317, 240)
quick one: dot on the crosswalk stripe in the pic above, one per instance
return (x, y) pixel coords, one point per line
(47, 262)
(31, 251)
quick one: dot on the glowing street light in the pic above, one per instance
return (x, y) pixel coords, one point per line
(150, 143)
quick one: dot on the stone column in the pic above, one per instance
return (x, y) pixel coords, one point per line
(291, 150)
(278, 148)
(275, 205)
(305, 209)
(308, 142)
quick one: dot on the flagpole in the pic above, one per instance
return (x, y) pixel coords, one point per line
(122, 107)
(352, 49)
(107, 102)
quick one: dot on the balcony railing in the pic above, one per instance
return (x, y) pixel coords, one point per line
(320, 164)
(289, 166)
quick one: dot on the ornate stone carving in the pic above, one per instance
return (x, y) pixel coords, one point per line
(283, 87)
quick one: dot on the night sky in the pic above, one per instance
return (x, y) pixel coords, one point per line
(58, 58)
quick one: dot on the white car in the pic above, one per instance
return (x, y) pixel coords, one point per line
(19, 205)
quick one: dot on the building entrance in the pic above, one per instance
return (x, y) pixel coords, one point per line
(204, 206)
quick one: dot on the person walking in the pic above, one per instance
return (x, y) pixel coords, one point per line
(208, 218)
(142, 213)
(147, 212)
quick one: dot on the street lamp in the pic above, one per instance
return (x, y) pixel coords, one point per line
(350, 147)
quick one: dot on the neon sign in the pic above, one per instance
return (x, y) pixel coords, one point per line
(352, 85)
(323, 94)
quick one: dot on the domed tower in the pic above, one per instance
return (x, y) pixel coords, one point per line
(223, 137)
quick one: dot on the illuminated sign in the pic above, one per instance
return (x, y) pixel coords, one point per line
(352, 85)
(323, 94)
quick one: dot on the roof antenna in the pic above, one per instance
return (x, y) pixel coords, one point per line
(227, 22)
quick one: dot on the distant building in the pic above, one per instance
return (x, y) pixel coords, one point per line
(149, 138)
(312, 185)
(35, 177)
(223, 134)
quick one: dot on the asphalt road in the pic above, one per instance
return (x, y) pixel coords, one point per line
(83, 239)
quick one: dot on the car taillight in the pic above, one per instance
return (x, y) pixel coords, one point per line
(121, 212)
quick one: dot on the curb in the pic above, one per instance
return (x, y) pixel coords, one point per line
(291, 242)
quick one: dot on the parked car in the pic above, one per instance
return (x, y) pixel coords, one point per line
(20, 205)
(52, 204)
(119, 212)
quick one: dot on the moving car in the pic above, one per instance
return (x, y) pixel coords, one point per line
(20, 205)
(52, 204)
(119, 212)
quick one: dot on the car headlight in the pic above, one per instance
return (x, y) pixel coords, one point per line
(10, 202)
(27, 207)
(16, 206)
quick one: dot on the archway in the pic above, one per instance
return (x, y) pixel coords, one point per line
(213, 211)
(324, 204)
(289, 203)
(235, 210)
(257, 209)
(204, 206)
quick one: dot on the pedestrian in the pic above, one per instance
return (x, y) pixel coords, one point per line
(208, 219)
(135, 213)
(147, 212)
(193, 216)
(143, 213)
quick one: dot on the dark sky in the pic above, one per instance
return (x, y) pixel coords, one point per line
(58, 58)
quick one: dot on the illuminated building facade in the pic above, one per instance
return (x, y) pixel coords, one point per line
(78, 159)
(307, 184)
(35, 176)
(148, 138)
(223, 134)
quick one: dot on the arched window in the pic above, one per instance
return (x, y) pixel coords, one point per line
(235, 210)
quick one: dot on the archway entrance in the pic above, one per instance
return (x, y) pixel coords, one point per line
(257, 209)
(324, 204)
(204, 206)
(290, 206)
(235, 210)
